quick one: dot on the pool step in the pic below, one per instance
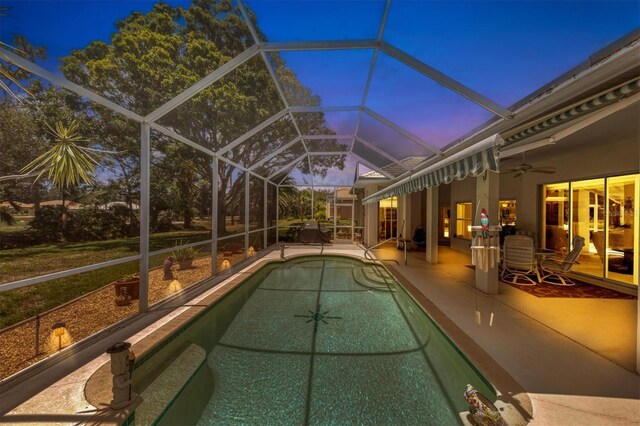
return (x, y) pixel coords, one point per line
(377, 283)
(168, 385)
(377, 274)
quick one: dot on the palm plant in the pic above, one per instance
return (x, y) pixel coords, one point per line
(65, 164)
(6, 217)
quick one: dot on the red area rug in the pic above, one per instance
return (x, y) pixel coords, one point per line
(580, 290)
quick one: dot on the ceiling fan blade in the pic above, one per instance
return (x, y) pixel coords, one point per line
(549, 172)
(517, 175)
(509, 171)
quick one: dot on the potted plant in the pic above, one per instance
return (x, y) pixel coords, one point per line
(184, 256)
(130, 283)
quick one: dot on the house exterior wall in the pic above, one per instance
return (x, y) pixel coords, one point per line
(610, 158)
(416, 205)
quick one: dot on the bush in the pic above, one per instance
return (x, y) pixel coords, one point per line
(82, 225)
(46, 226)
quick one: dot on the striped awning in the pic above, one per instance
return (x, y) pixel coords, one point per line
(457, 167)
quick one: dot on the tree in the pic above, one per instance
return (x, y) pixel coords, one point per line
(157, 55)
(66, 164)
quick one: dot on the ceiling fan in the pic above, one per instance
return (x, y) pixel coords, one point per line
(528, 168)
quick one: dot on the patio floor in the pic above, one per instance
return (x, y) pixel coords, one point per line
(574, 357)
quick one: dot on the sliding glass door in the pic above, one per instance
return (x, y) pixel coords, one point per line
(604, 212)
(588, 220)
(622, 229)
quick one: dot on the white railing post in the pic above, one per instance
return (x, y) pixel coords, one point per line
(265, 217)
(214, 216)
(145, 155)
(246, 213)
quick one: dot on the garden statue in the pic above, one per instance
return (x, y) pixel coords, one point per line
(482, 414)
(123, 298)
(166, 267)
(484, 223)
(121, 372)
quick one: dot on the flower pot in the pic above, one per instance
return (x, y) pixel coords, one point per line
(185, 263)
(132, 287)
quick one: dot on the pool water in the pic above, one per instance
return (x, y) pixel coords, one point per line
(326, 340)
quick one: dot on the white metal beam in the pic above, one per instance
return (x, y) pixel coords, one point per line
(318, 45)
(233, 163)
(214, 216)
(378, 150)
(202, 84)
(401, 130)
(145, 206)
(274, 153)
(323, 137)
(445, 80)
(272, 72)
(320, 108)
(291, 164)
(178, 137)
(63, 82)
(372, 67)
(320, 153)
(252, 132)
(66, 273)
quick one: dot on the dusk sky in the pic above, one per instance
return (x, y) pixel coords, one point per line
(502, 49)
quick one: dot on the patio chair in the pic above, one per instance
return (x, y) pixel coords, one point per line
(554, 271)
(519, 260)
(420, 237)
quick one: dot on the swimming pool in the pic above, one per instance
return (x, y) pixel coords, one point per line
(315, 340)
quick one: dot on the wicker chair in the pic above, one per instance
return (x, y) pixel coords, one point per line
(519, 260)
(555, 270)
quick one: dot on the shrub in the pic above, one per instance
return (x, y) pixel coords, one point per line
(184, 253)
(87, 224)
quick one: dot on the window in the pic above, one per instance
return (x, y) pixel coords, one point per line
(508, 212)
(463, 220)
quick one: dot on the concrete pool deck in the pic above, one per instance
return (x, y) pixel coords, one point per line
(560, 380)
(573, 357)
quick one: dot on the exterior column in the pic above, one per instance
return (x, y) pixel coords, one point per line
(431, 225)
(372, 226)
(487, 197)
(402, 216)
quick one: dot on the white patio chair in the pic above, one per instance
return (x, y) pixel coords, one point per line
(554, 270)
(519, 260)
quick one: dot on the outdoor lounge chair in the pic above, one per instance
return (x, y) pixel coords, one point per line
(519, 260)
(555, 271)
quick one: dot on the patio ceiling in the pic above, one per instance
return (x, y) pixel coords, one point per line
(373, 90)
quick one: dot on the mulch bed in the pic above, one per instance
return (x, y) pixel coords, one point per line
(90, 314)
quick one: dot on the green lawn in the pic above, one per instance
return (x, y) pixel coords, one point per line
(16, 264)
(16, 305)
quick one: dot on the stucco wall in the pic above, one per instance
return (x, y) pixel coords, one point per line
(610, 158)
